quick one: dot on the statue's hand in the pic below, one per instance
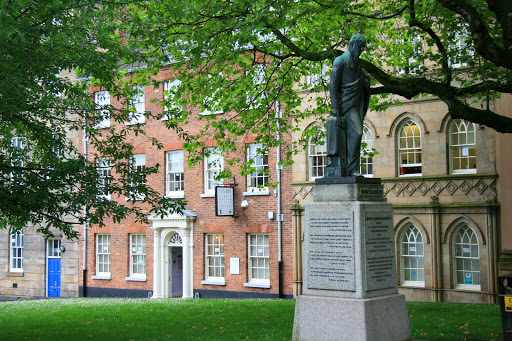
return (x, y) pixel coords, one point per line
(341, 122)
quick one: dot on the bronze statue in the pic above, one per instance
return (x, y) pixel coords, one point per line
(350, 97)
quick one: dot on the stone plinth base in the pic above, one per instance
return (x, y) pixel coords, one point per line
(319, 318)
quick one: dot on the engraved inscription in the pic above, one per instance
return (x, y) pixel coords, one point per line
(331, 253)
(380, 272)
(371, 192)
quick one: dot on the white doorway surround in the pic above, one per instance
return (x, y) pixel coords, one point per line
(170, 232)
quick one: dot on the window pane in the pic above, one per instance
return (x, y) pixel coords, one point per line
(259, 178)
(462, 146)
(412, 255)
(466, 256)
(214, 249)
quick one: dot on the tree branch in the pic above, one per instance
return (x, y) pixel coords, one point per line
(413, 22)
(484, 43)
(378, 15)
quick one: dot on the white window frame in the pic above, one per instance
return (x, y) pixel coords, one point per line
(466, 150)
(138, 258)
(258, 260)
(260, 162)
(413, 147)
(367, 161)
(103, 256)
(213, 164)
(170, 89)
(17, 145)
(466, 252)
(214, 259)
(314, 79)
(104, 170)
(259, 78)
(137, 164)
(16, 251)
(210, 102)
(102, 101)
(412, 249)
(174, 174)
(138, 103)
(459, 44)
(411, 68)
(53, 248)
(317, 159)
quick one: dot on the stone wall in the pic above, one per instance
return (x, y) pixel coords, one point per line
(437, 201)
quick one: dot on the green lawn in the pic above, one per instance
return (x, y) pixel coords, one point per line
(204, 319)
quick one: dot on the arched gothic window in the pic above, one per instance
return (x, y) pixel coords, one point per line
(366, 167)
(317, 159)
(412, 261)
(467, 259)
(16, 251)
(409, 148)
(462, 147)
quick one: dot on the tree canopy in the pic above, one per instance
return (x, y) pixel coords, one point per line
(456, 50)
(44, 179)
(247, 58)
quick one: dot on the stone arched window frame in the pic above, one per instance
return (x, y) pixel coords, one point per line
(16, 250)
(409, 142)
(464, 224)
(462, 147)
(366, 161)
(400, 231)
(316, 156)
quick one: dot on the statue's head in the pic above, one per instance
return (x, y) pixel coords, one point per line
(357, 44)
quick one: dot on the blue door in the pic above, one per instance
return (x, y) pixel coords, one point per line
(53, 261)
(53, 277)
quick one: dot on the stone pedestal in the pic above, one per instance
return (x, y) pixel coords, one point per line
(350, 287)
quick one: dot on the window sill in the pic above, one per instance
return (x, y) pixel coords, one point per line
(468, 287)
(257, 285)
(213, 282)
(256, 192)
(177, 195)
(102, 126)
(413, 285)
(463, 171)
(208, 195)
(137, 198)
(15, 274)
(134, 123)
(135, 279)
(105, 277)
(104, 197)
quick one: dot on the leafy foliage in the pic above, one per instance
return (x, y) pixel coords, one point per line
(243, 63)
(43, 178)
(458, 51)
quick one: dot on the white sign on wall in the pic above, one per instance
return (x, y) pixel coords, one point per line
(234, 266)
(224, 201)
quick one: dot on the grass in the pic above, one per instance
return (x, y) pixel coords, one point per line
(204, 319)
(449, 321)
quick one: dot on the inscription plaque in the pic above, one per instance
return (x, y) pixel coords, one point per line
(380, 272)
(331, 252)
(373, 192)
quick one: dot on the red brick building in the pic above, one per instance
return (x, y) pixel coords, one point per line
(195, 253)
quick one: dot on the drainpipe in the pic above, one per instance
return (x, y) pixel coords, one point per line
(279, 167)
(84, 259)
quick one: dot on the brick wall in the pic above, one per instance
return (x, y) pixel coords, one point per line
(252, 219)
